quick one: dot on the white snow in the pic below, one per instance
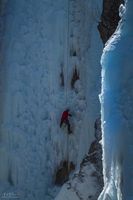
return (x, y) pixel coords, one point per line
(82, 186)
(36, 38)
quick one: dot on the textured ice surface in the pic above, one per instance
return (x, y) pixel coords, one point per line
(36, 39)
(117, 111)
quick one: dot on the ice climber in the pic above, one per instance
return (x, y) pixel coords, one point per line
(65, 120)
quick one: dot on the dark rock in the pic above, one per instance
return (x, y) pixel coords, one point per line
(62, 174)
(62, 83)
(73, 52)
(98, 131)
(10, 180)
(75, 77)
(95, 157)
(109, 18)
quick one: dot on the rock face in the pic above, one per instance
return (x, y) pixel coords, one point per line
(93, 158)
(109, 18)
(95, 154)
(62, 174)
(87, 183)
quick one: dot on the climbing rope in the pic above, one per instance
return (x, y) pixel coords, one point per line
(67, 59)
(67, 64)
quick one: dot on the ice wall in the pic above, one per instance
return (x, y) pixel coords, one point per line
(42, 43)
(117, 113)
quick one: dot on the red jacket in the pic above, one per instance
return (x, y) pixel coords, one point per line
(65, 116)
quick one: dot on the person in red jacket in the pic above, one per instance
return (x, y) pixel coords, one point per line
(65, 120)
